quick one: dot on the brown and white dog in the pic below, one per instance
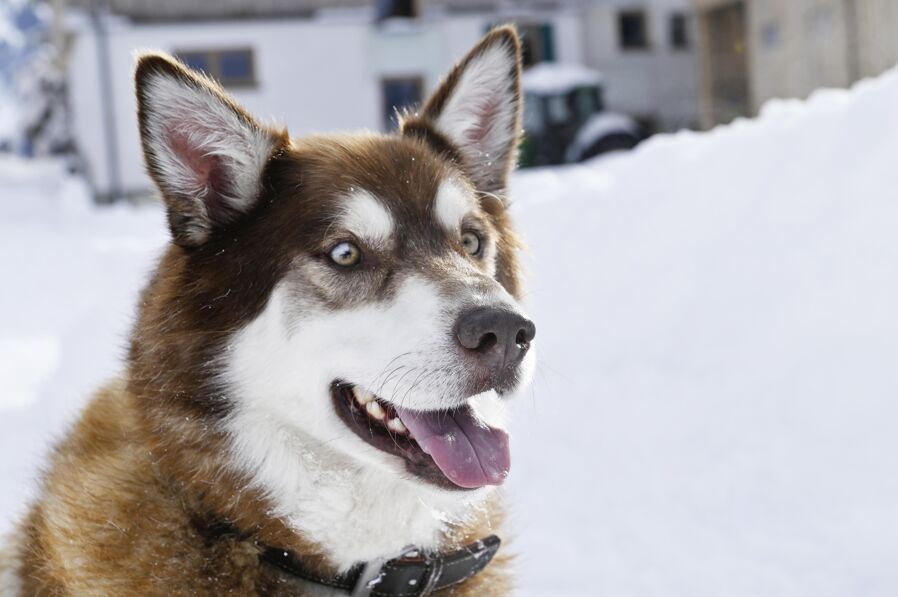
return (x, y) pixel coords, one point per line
(320, 360)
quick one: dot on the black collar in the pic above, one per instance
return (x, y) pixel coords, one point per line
(412, 574)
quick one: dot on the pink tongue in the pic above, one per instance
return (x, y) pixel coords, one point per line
(468, 451)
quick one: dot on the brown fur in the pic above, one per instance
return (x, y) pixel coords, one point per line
(113, 521)
(139, 499)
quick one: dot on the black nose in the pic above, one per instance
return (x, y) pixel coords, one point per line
(498, 337)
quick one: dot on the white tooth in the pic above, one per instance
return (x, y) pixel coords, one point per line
(362, 396)
(396, 425)
(375, 410)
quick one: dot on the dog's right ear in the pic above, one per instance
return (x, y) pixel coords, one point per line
(477, 110)
(204, 152)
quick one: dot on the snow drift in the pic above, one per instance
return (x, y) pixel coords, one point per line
(714, 412)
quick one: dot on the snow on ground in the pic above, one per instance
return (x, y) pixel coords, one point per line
(716, 412)
(70, 277)
(715, 409)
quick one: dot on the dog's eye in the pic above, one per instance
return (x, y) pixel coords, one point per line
(471, 242)
(346, 254)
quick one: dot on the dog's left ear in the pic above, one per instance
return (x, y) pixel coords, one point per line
(206, 154)
(477, 110)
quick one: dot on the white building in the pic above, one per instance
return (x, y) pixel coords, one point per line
(756, 50)
(646, 51)
(324, 65)
(329, 68)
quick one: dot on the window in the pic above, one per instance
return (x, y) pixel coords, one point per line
(391, 9)
(232, 68)
(399, 93)
(534, 123)
(558, 110)
(633, 31)
(586, 101)
(679, 31)
(770, 35)
(537, 43)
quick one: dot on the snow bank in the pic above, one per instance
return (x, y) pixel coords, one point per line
(70, 276)
(714, 412)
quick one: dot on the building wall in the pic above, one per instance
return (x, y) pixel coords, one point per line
(725, 63)
(314, 75)
(659, 83)
(310, 78)
(802, 45)
(797, 46)
(877, 26)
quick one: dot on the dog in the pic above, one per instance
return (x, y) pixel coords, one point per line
(315, 386)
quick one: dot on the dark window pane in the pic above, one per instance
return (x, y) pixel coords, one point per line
(398, 94)
(548, 37)
(679, 32)
(533, 118)
(387, 9)
(633, 30)
(236, 66)
(196, 61)
(537, 43)
(232, 68)
(586, 102)
(559, 111)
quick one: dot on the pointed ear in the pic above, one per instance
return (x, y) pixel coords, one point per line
(477, 110)
(205, 153)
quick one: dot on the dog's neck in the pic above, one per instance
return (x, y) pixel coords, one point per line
(352, 511)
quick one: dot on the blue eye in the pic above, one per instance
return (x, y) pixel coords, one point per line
(346, 254)
(471, 243)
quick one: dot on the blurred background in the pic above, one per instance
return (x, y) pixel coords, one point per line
(602, 74)
(708, 194)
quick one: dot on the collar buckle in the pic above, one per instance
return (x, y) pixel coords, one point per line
(372, 573)
(432, 574)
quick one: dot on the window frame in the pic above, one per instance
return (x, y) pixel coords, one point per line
(213, 57)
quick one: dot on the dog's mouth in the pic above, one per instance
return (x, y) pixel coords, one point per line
(453, 449)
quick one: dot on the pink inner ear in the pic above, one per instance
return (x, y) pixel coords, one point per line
(195, 160)
(207, 171)
(485, 118)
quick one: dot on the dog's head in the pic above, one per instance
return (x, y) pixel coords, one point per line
(355, 293)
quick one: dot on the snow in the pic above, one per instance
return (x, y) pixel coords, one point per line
(70, 280)
(715, 408)
(550, 78)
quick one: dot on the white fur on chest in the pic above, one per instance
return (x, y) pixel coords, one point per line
(354, 511)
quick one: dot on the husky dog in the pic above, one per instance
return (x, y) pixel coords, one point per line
(313, 400)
